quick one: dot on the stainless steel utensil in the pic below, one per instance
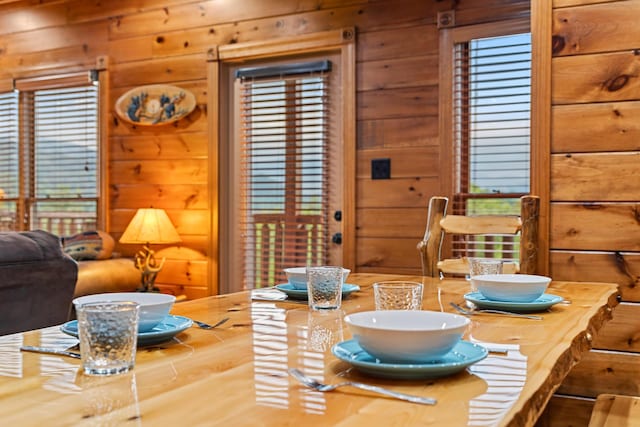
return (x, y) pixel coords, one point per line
(45, 350)
(204, 325)
(310, 382)
(505, 313)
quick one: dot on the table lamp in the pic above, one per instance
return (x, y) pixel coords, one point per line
(149, 226)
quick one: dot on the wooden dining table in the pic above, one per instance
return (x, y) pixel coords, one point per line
(237, 374)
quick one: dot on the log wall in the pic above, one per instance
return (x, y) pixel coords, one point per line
(594, 158)
(594, 187)
(169, 42)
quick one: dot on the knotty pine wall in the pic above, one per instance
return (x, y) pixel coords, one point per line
(595, 187)
(152, 41)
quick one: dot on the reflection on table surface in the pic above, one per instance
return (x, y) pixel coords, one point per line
(238, 373)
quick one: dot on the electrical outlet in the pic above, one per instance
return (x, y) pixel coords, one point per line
(381, 169)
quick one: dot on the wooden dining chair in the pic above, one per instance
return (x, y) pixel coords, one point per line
(613, 410)
(498, 231)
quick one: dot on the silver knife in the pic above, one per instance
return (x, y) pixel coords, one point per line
(45, 350)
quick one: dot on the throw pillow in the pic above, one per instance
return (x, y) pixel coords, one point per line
(89, 245)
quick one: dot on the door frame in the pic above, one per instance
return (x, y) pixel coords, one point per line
(337, 41)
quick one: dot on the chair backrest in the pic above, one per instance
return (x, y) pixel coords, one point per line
(440, 224)
(612, 410)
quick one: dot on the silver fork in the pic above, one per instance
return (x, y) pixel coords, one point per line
(310, 382)
(506, 313)
(208, 326)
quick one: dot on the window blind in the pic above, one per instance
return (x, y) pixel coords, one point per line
(492, 95)
(49, 154)
(9, 160)
(283, 174)
(65, 157)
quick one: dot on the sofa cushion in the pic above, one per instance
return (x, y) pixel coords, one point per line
(89, 245)
(28, 246)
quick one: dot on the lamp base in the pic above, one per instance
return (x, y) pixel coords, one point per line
(149, 268)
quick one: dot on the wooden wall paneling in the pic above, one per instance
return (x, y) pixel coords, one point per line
(398, 132)
(392, 222)
(490, 11)
(56, 37)
(396, 103)
(398, 73)
(595, 176)
(622, 268)
(596, 28)
(622, 333)
(165, 196)
(407, 192)
(403, 162)
(387, 254)
(164, 70)
(181, 171)
(566, 411)
(595, 226)
(397, 43)
(72, 59)
(607, 126)
(596, 78)
(566, 3)
(12, 17)
(168, 146)
(367, 16)
(604, 372)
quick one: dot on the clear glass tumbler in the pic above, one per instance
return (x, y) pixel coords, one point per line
(324, 286)
(108, 333)
(398, 295)
(478, 266)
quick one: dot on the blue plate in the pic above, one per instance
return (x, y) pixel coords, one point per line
(163, 331)
(544, 302)
(463, 354)
(302, 294)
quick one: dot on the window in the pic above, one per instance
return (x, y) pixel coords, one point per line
(284, 168)
(489, 127)
(49, 147)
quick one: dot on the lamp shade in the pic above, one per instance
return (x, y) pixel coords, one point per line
(150, 226)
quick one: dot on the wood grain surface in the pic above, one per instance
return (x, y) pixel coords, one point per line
(237, 374)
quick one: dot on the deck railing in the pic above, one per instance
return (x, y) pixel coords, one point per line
(58, 223)
(279, 242)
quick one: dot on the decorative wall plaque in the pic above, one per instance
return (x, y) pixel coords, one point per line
(155, 105)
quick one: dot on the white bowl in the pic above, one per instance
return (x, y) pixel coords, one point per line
(511, 287)
(297, 276)
(406, 336)
(153, 306)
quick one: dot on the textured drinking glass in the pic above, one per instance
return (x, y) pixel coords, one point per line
(397, 295)
(108, 333)
(324, 286)
(478, 266)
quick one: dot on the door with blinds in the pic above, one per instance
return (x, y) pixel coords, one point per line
(284, 171)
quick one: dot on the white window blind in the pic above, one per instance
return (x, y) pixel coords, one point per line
(9, 160)
(492, 98)
(65, 147)
(284, 171)
(49, 155)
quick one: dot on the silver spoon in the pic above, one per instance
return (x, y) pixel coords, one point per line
(208, 326)
(506, 313)
(310, 382)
